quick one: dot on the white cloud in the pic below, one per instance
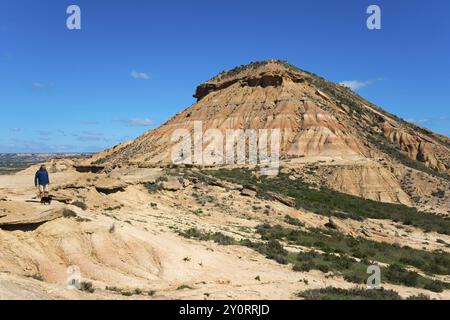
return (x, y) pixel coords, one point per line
(136, 122)
(38, 85)
(425, 120)
(428, 120)
(356, 84)
(139, 122)
(139, 75)
(89, 122)
(353, 84)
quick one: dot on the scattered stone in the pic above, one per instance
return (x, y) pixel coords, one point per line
(61, 198)
(288, 201)
(172, 184)
(365, 232)
(186, 183)
(15, 222)
(198, 185)
(248, 193)
(109, 186)
(322, 94)
(332, 224)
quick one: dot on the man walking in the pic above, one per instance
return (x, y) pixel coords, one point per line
(42, 181)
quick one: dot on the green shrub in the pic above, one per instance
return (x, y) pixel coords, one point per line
(87, 287)
(420, 296)
(67, 213)
(331, 293)
(80, 205)
(37, 277)
(184, 287)
(328, 202)
(435, 286)
(293, 221)
(332, 242)
(396, 274)
(217, 237)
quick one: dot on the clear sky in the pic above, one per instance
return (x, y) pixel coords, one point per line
(136, 63)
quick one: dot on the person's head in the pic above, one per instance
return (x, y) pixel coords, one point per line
(43, 167)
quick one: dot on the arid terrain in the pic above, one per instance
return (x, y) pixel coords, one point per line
(357, 186)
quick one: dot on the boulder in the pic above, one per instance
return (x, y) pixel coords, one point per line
(365, 232)
(322, 94)
(248, 193)
(109, 185)
(332, 224)
(172, 184)
(61, 197)
(288, 201)
(18, 222)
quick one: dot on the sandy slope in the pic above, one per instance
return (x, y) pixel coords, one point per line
(124, 241)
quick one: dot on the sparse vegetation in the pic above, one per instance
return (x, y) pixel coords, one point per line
(333, 242)
(348, 256)
(293, 221)
(37, 277)
(113, 289)
(271, 249)
(87, 287)
(420, 296)
(67, 213)
(153, 187)
(184, 287)
(126, 293)
(384, 145)
(351, 257)
(80, 204)
(137, 292)
(217, 237)
(350, 99)
(331, 293)
(328, 202)
(113, 208)
(438, 193)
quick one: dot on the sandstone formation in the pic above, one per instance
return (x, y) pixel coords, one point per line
(315, 116)
(319, 120)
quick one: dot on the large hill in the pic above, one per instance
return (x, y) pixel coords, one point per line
(375, 154)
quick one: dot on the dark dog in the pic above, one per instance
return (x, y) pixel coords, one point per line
(46, 200)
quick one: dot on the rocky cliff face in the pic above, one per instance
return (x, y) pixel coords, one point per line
(317, 118)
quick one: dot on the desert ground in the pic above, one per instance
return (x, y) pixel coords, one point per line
(125, 239)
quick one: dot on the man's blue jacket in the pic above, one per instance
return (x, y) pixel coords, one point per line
(41, 178)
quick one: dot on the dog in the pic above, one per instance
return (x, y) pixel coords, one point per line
(46, 200)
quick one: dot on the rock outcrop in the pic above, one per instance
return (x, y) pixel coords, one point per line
(316, 118)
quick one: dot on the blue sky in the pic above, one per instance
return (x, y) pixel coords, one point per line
(136, 63)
